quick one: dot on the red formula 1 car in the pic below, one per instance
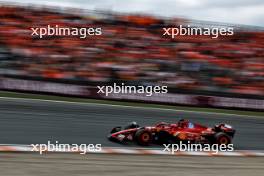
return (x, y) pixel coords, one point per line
(164, 133)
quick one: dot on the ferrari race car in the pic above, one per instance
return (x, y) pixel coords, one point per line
(164, 133)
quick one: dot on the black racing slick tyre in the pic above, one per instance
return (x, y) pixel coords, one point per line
(143, 137)
(222, 138)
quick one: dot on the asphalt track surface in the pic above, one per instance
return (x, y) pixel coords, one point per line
(35, 122)
(130, 165)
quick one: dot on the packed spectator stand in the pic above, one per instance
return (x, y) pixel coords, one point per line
(131, 49)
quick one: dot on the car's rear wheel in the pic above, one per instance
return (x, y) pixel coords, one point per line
(222, 138)
(143, 137)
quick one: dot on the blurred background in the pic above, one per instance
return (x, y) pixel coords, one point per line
(226, 72)
(131, 50)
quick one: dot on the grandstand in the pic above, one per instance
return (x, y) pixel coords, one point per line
(131, 49)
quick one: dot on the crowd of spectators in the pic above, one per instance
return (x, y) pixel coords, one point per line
(131, 49)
